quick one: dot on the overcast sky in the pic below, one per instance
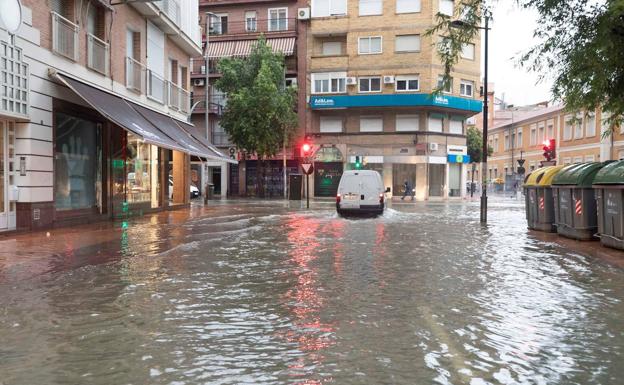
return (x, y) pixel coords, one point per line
(512, 32)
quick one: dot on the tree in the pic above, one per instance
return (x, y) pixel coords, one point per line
(259, 116)
(580, 48)
(474, 139)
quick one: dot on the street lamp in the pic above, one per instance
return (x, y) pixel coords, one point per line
(463, 24)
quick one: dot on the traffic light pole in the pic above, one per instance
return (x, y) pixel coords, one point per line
(307, 191)
(483, 217)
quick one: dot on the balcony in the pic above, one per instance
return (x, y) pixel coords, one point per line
(253, 27)
(135, 75)
(198, 66)
(216, 105)
(172, 9)
(97, 54)
(156, 87)
(221, 139)
(178, 98)
(64, 37)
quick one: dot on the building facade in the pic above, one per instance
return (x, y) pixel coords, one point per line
(578, 137)
(94, 110)
(230, 30)
(371, 74)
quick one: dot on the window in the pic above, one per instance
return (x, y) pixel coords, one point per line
(506, 144)
(590, 129)
(219, 24)
(370, 7)
(567, 128)
(495, 142)
(290, 81)
(578, 159)
(372, 84)
(578, 127)
(407, 123)
(369, 45)
(407, 43)
(456, 125)
(331, 124)
(332, 48)
(550, 129)
(322, 8)
(435, 123)
(446, 7)
(251, 21)
(406, 83)
(407, 6)
(533, 137)
(329, 83)
(278, 19)
(95, 21)
(589, 158)
(141, 177)
(448, 87)
(466, 88)
(371, 124)
(468, 51)
(519, 138)
(540, 133)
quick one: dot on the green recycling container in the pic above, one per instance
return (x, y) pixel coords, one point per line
(538, 199)
(609, 189)
(575, 202)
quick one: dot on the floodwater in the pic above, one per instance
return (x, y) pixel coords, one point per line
(254, 292)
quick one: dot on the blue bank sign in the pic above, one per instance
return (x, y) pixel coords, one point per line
(395, 100)
(452, 158)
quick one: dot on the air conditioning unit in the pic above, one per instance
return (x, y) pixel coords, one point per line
(199, 82)
(351, 81)
(388, 79)
(303, 14)
(291, 81)
(433, 147)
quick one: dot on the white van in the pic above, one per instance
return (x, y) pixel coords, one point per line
(360, 192)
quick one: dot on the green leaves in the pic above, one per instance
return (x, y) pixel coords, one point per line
(259, 116)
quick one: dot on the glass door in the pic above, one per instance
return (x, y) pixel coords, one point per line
(3, 176)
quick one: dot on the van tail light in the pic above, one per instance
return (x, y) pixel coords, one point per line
(338, 198)
(381, 199)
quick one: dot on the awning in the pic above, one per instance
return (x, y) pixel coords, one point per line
(119, 111)
(242, 48)
(194, 132)
(166, 124)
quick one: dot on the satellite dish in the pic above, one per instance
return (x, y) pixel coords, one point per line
(11, 15)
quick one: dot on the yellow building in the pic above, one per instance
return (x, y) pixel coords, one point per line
(371, 71)
(578, 137)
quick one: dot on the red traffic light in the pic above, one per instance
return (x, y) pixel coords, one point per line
(306, 147)
(549, 148)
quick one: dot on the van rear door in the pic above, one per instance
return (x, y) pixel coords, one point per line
(369, 190)
(349, 189)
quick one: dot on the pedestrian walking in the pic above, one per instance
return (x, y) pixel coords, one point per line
(406, 189)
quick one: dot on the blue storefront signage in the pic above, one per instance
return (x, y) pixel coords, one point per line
(452, 158)
(395, 100)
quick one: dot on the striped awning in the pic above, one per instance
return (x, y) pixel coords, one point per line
(242, 48)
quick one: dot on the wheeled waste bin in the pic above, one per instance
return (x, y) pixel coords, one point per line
(538, 199)
(296, 184)
(609, 190)
(575, 202)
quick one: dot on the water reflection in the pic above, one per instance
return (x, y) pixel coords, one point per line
(263, 293)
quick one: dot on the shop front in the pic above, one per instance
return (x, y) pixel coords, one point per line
(7, 178)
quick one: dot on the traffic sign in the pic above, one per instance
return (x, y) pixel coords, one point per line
(307, 168)
(521, 162)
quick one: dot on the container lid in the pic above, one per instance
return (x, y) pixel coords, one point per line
(612, 173)
(542, 176)
(578, 174)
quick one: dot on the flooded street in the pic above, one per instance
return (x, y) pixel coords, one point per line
(253, 292)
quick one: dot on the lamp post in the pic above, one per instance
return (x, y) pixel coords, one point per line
(460, 24)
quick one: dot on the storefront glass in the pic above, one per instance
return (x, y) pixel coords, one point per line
(454, 180)
(142, 171)
(78, 159)
(436, 179)
(326, 178)
(400, 174)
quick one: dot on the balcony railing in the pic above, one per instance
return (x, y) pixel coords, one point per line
(220, 138)
(97, 54)
(172, 9)
(156, 87)
(64, 37)
(198, 66)
(253, 26)
(178, 98)
(134, 75)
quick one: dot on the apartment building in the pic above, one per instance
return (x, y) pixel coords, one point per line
(94, 110)
(579, 138)
(371, 75)
(230, 30)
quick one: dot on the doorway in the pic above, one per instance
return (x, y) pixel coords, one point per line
(216, 179)
(3, 177)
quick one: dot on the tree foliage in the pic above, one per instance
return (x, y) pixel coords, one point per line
(580, 48)
(474, 139)
(259, 116)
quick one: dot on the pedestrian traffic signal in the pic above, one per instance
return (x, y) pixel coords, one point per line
(549, 148)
